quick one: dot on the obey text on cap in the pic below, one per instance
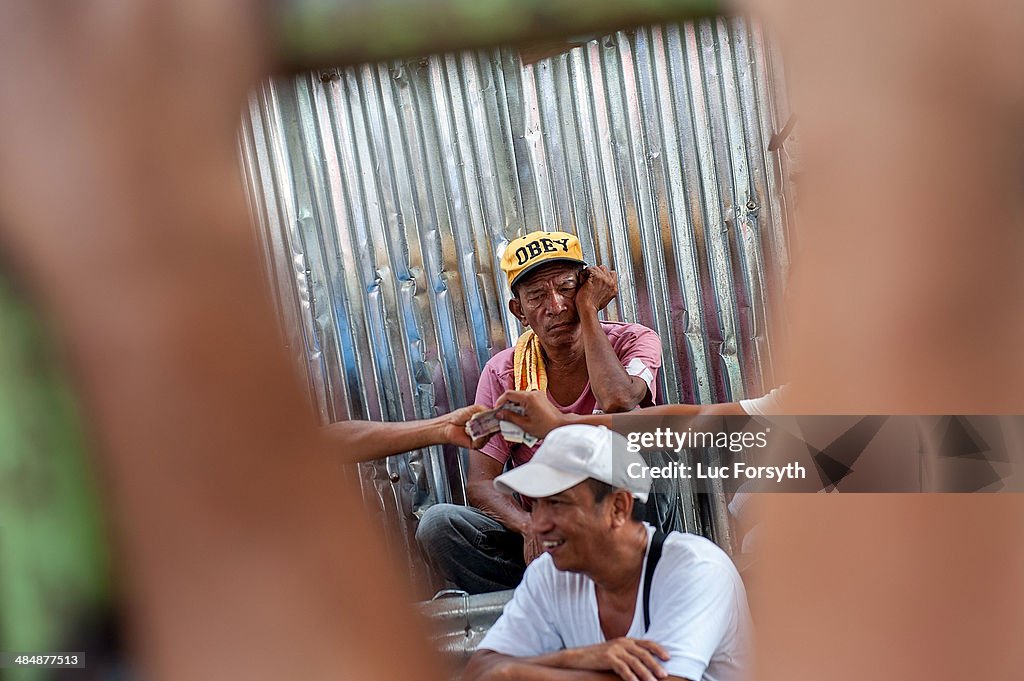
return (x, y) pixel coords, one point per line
(529, 251)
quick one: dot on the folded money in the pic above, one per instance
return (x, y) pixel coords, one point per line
(514, 407)
(486, 423)
(483, 424)
(513, 433)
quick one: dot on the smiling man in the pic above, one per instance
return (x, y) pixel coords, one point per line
(611, 598)
(581, 364)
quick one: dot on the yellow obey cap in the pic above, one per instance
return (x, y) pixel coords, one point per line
(539, 248)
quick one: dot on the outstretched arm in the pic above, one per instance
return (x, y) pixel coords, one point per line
(369, 440)
(540, 417)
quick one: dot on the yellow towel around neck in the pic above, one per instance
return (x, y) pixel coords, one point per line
(528, 363)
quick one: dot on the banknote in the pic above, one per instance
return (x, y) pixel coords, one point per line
(513, 433)
(486, 423)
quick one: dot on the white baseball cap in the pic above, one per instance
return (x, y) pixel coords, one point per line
(570, 455)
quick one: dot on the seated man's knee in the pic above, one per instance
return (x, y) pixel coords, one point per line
(438, 525)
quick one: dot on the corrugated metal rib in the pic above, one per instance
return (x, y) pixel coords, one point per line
(384, 192)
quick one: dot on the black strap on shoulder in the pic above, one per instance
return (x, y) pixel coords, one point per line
(653, 556)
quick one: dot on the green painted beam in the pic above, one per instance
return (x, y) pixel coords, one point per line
(53, 553)
(314, 33)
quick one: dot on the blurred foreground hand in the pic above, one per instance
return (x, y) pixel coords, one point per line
(241, 554)
(905, 299)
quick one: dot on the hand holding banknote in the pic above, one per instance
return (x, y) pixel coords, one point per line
(530, 411)
(485, 424)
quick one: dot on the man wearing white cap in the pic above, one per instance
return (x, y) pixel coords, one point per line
(610, 598)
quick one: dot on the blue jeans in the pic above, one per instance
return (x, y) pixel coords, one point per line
(471, 550)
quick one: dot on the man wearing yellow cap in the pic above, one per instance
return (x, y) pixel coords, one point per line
(582, 365)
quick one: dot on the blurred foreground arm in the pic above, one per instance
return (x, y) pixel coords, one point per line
(122, 212)
(911, 127)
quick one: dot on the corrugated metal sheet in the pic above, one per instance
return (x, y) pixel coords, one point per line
(461, 621)
(384, 192)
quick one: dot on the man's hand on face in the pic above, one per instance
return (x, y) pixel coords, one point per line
(539, 416)
(599, 285)
(633, 659)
